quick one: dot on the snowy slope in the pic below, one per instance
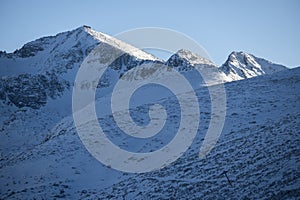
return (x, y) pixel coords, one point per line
(258, 151)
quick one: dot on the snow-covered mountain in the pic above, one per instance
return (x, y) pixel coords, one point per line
(241, 65)
(53, 62)
(37, 81)
(43, 157)
(185, 58)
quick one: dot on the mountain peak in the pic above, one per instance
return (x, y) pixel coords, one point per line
(191, 57)
(240, 55)
(66, 50)
(240, 65)
(83, 27)
(100, 37)
(86, 26)
(185, 59)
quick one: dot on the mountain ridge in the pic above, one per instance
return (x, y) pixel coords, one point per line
(62, 54)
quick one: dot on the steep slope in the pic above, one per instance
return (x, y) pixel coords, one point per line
(240, 65)
(258, 149)
(255, 158)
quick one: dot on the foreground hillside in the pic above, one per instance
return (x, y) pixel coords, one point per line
(256, 157)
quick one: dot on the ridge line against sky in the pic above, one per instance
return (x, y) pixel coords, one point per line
(267, 29)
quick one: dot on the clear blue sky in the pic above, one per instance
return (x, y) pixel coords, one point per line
(265, 28)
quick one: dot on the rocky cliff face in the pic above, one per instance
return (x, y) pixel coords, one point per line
(31, 90)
